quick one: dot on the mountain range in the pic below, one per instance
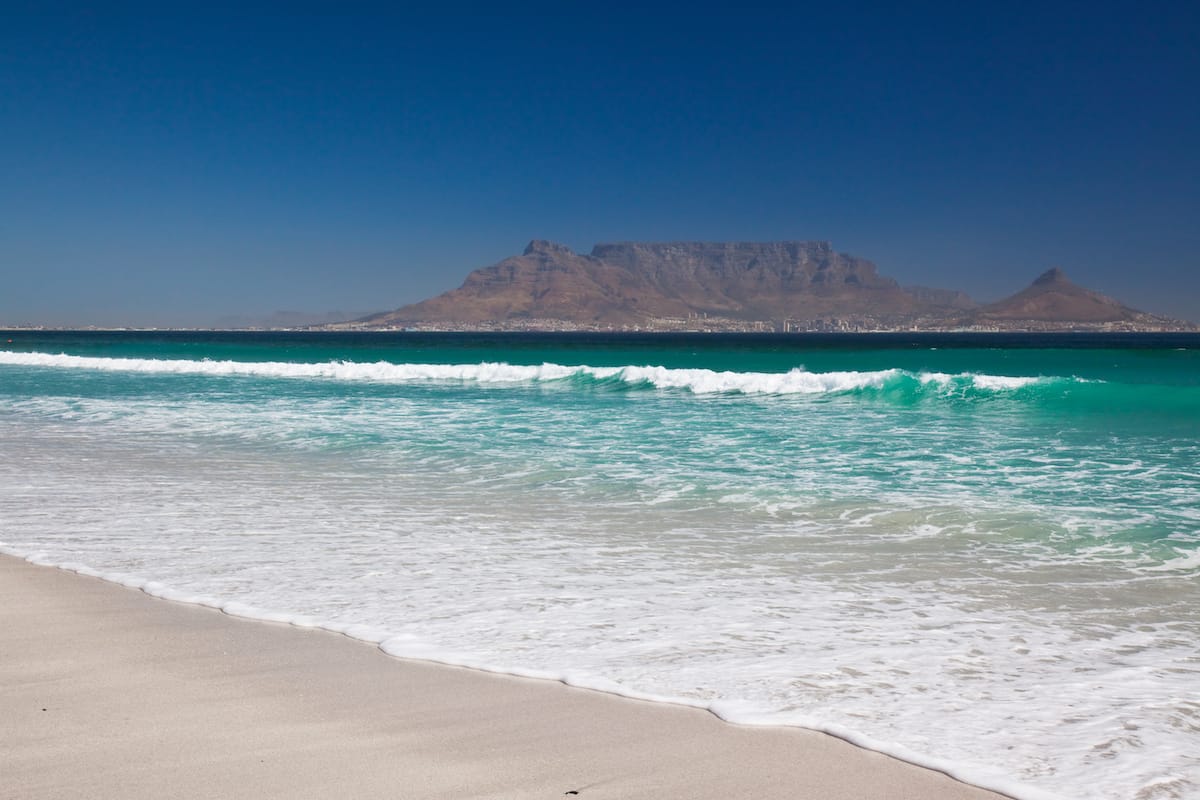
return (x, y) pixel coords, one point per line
(785, 286)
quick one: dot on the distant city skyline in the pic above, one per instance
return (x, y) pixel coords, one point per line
(185, 165)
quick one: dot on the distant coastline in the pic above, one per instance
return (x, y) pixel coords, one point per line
(740, 287)
(708, 287)
(710, 326)
(719, 325)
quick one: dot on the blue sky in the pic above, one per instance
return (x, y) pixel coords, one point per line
(177, 164)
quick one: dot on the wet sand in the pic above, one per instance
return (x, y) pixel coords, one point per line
(106, 692)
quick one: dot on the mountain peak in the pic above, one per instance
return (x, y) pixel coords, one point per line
(1053, 298)
(1051, 276)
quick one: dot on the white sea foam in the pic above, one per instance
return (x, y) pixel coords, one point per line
(1185, 561)
(1002, 382)
(697, 381)
(925, 579)
(993, 383)
(852, 633)
(705, 381)
(380, 371)
(404, 645)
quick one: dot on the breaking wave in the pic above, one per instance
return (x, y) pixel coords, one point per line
(797, 381)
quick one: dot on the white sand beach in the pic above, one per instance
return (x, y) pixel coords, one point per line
(106, 692)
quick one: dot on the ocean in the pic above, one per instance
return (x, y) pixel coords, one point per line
(976, 552)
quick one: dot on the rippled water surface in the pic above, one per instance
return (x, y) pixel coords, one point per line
(982, 552)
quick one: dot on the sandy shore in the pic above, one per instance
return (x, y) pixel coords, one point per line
(108, 693)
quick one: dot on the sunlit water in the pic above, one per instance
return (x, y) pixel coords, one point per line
(982, 557)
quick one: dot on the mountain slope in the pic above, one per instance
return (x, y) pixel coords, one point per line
(797, 285)
(637, 283)
(1052, 297)
(1054, 300)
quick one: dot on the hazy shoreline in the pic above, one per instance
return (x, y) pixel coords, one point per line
(799, 336)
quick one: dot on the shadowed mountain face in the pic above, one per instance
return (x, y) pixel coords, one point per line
(788, 285)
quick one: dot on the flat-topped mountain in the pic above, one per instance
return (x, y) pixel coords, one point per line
(799, 285)
(751, 280)
(666, 284)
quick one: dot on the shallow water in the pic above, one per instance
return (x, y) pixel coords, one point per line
(977, 552)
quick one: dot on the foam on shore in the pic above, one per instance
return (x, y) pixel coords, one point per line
(407, 647)
(954, 555)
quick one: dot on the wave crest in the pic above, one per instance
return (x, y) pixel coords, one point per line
(696, 381)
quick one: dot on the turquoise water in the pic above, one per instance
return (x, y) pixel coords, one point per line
(975, 551)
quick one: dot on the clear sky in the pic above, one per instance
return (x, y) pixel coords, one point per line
(178, 163)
